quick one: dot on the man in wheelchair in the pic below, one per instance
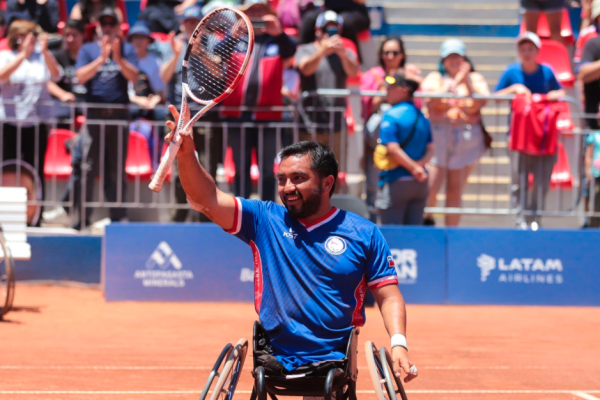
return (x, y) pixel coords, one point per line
(312, 262)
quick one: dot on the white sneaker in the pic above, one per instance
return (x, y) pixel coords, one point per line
(56, 216)
(99, 226)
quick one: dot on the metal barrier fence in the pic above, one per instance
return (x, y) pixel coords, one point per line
(120, 159)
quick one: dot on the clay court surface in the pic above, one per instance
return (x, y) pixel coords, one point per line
(68, 343)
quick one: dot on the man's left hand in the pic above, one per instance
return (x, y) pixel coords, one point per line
(401, 362)
(116, 50)
(273, 25)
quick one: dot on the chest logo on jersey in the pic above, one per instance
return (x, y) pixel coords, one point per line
(272, 50)
(335, 245)
(290, 235)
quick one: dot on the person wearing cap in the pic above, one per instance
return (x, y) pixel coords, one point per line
(403, 191)
(589, 70)
(527, 76)
(455, 124)
(531, 10)
(43, 13)
(261, 87)
(355, 19)
(88, 11)
(592, 171)
(149, 87)
(326, 64)
(171, 75)
(105, 67)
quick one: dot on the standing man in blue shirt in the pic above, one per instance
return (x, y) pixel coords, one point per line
(312, 261)
(104, 67)
(530, 77)
(406, 133)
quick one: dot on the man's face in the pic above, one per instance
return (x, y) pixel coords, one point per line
(300, 187)
(528, 52)
(73, 39)
(108, 27)
(396, 94)
(188, 26)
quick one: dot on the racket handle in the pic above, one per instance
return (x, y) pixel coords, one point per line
(165, 164)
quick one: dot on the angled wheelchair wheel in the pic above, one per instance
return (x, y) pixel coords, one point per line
(216, 370)
(387, 386)
(230, 374)
(7, 278)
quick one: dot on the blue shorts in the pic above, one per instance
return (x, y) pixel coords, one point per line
(547, 6)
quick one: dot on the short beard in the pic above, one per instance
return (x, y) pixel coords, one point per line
(309, 207)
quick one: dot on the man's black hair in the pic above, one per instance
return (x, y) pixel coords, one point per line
(75, 24)
(323, 159)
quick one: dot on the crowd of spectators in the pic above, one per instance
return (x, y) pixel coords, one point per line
(299, 47)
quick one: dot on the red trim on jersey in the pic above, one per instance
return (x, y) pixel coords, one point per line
(359, 295)
(381, 282)
(323, 218)
(258, 277)
(234, 229)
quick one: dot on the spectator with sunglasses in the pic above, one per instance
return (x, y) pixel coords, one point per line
(106, 66)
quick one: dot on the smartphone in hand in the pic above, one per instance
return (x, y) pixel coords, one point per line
(258, 24)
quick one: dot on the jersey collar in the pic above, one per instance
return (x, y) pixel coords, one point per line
(310, 226)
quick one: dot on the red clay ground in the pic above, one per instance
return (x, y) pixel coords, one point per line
(67, 343)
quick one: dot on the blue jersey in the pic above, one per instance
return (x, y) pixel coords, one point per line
(310, 280)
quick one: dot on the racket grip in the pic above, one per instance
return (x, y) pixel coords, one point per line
(165, 164)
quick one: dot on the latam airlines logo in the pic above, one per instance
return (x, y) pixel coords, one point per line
(163, 269)
(405, 262)
(521, 270)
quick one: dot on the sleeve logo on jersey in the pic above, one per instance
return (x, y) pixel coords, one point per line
(391, 262)
(335, 245)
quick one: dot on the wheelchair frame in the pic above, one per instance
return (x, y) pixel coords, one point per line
(340, 379)
(7, 277)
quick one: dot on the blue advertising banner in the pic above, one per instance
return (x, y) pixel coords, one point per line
(503, 266)
(420, 257)
(175, 262)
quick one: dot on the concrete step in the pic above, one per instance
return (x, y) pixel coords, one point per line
(448, 10)
(477, 57)
(507, 3)
(422, 42)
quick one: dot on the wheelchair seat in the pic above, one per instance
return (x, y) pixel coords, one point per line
(321, 379)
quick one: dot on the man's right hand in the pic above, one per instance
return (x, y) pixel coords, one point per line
(519, 88)
(187, 144)
(105, 48)
(28, 45)
(332, 45)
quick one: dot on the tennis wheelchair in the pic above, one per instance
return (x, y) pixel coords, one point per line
(7, 277)
(332, 380)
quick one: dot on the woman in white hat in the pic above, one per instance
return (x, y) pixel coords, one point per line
(455, 125)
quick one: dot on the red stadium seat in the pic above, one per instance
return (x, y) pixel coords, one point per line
(4, 44)
(556, 56)
(2, 5)
(143, 4)
(543, 30)
(160, 36)
(254, 171)
(565, 123)
(63, 15)
(291, 31)
(350, 122)
(138, 163)
(561, 173)
(57, 161)
(364, 36)
(229, 166)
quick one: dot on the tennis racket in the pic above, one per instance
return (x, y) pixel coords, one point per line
(215, 60)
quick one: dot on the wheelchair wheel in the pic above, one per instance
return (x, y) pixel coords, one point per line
(215, 370)
(230, 374)
(7, 278)
(387, 386)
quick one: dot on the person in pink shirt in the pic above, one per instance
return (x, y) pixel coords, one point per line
(392, 59)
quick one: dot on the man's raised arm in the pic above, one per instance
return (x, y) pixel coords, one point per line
(199, 186)
(393, 310)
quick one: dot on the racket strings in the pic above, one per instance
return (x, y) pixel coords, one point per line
(217, 55)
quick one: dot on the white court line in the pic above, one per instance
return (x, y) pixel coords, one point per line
(248, 392)
(205, 367)
(584, 395)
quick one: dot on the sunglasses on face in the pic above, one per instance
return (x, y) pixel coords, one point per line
(392, 53)
(108, 22)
